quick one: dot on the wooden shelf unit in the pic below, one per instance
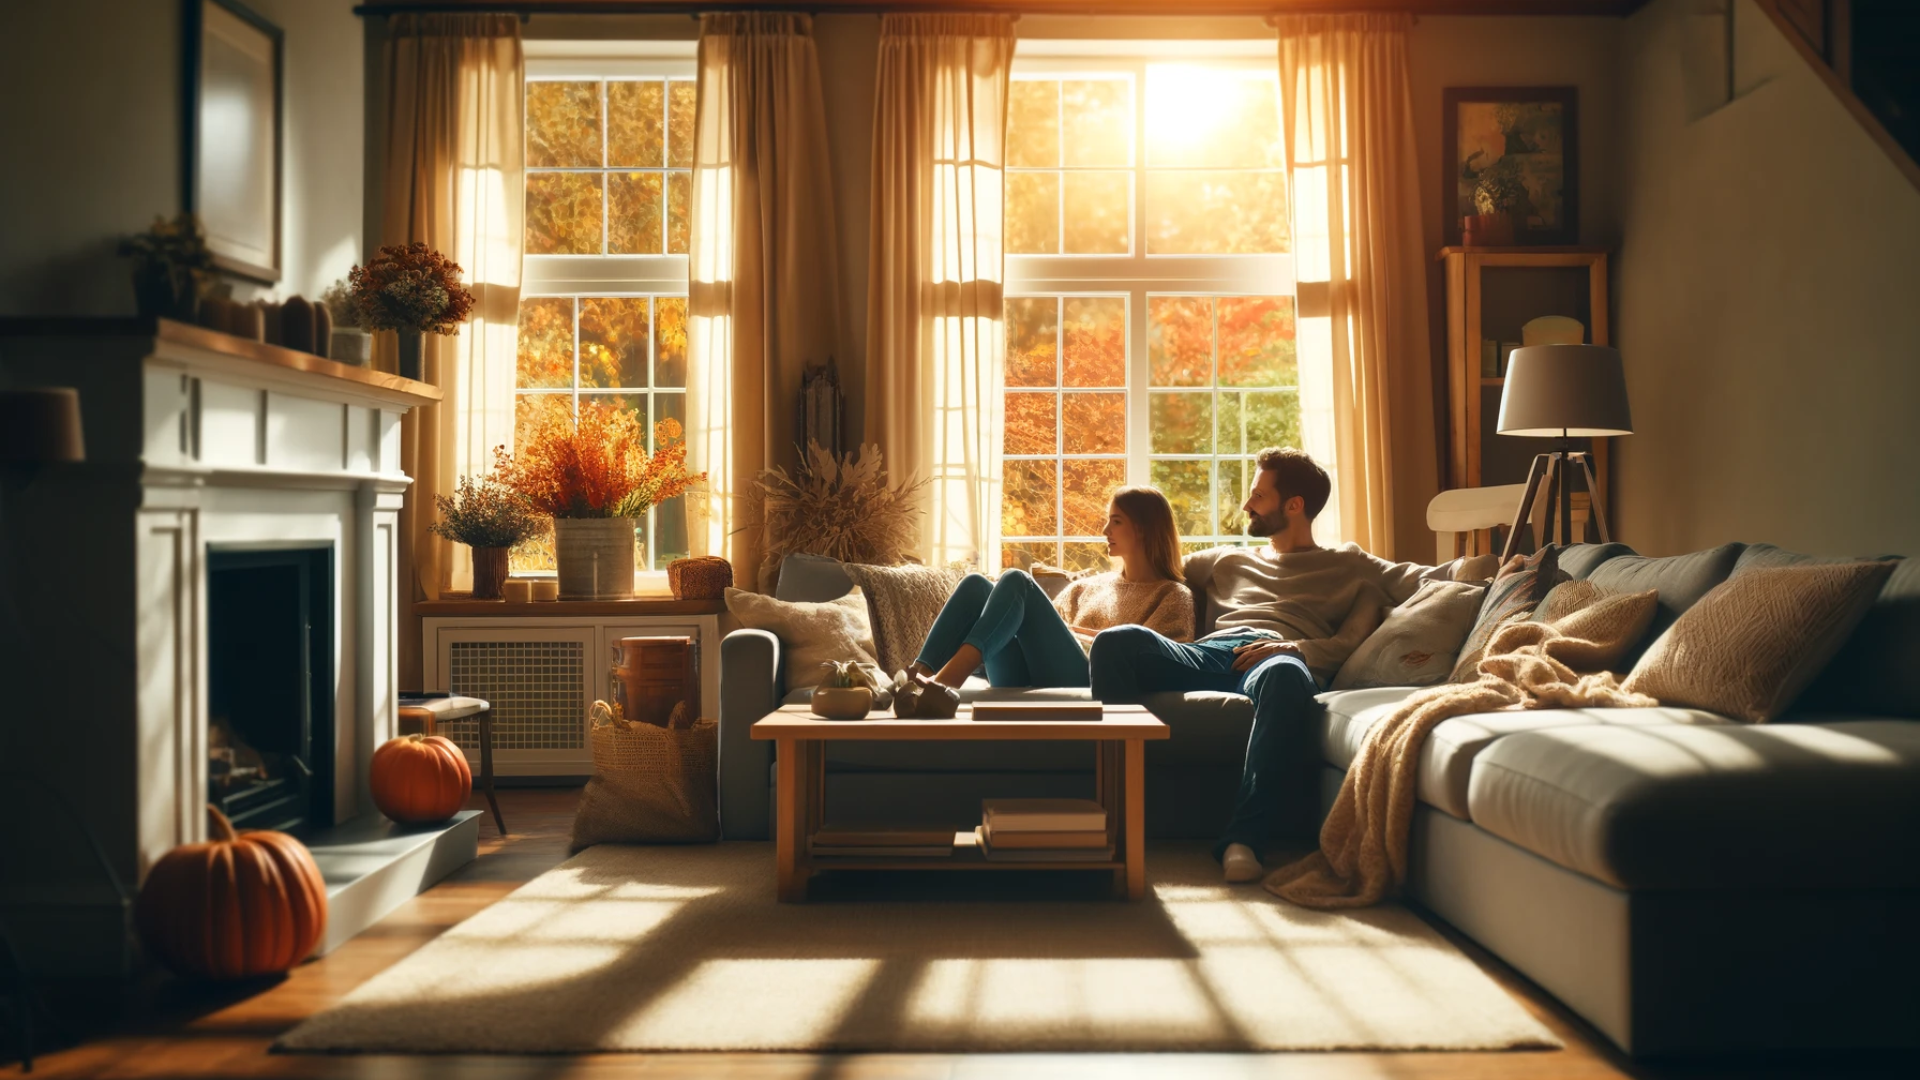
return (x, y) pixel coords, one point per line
(1490, 292)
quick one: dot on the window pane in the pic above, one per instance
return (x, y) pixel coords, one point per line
(1185, 485)
(1094, 423)
(1232, 437)
(1023, 554)
(670, 517)
(1099, 122)
(670, 341)
(1095, 339)
(1089, 482)
(1032, 322)
(1032, 427)
(1273, 419)
(1235, 480)
(679, 211)
(633, 213)
(1180, 423)
(535, 554)
(1256, 341)
(1216, 213)
(683, 98)
(1179, 341)
(636, 135)
(544, 356)
(563, 213)
(1028, 508)
(1086, 556)
(628, 403)
(613, 342)
(1033, 124)
(531, 411)
(1033, 213)
(1099, 221)
(563, 125)
(1199, 118)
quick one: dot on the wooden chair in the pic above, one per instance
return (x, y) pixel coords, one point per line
(1463, 519)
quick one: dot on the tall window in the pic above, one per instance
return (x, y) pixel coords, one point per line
(1150, 313)
(603, 313)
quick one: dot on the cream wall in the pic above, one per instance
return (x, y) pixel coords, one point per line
(1767, 286)
(92, 130)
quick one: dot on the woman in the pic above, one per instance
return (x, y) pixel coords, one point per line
(1025, 639)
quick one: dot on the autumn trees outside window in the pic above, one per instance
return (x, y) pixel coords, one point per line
(603, 311)
(1150, 311)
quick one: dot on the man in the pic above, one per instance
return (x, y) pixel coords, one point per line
(1289, 613)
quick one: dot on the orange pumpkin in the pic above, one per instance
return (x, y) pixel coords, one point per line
(236, 907)
(420, 778)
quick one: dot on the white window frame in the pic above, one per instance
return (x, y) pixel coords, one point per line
(610, 276)
(1138, 275)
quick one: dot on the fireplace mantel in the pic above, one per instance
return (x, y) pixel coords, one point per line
(195, 440)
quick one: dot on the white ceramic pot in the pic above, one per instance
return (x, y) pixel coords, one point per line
(594, 557)
(350, 345)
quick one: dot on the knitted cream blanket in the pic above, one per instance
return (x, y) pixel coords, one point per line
(1557, 663)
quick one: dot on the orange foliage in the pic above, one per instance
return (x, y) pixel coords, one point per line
(596, 466)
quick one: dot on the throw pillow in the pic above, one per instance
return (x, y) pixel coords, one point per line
(1418, 642)
(1513, 595)
(902, 602)
(1592, 630)
(810, 634)
(1751, 645)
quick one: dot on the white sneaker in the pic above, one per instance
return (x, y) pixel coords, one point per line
(1242, 864)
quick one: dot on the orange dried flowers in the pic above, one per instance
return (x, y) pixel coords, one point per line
(598, 466)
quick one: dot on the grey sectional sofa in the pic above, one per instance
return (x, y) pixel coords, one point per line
(1686, 883)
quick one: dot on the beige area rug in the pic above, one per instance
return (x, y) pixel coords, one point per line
(685, 948)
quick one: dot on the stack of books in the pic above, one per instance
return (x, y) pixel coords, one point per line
(861, 841)
(1044, 830)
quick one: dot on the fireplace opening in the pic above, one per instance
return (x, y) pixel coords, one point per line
(270, 687)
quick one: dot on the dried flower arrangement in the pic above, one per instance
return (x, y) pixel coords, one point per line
(484, 513)
(410, 288)
(172, 266)
(838, 505)
(598, 466)
(338, 300)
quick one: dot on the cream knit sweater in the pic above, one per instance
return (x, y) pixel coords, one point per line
(1100, 601)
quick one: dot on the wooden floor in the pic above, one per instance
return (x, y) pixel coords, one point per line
(174, 1032)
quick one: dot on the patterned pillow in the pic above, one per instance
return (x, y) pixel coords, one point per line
(1511, 597)
(902, 602)
(1417, 643)
(810, 633)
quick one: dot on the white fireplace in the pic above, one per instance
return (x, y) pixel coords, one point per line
(199, 445)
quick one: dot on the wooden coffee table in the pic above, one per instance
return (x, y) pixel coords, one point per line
(1120, 785)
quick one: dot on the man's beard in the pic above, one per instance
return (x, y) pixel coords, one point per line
(1268, 524)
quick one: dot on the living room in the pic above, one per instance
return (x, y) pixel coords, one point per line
(578, 522)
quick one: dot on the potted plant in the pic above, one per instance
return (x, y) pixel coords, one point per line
(845, 695)
(594, 477)
(349, 342)
(490, 518)
(172, 267)
(410, 290)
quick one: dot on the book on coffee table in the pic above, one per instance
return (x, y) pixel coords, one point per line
(1043, 815)
(996, 853)
(1038, 710)
(1081, 838)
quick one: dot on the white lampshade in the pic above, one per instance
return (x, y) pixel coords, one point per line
(1572, 390)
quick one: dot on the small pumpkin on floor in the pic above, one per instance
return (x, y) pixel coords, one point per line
(420, 778)
(238, 906)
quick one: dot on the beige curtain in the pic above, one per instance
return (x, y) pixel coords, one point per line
(763, 293)
(935, 342)
(454, 182)
(1348, 111)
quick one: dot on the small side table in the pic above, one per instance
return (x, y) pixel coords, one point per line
(432, 712)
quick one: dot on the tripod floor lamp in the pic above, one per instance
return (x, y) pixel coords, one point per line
(1562, 392)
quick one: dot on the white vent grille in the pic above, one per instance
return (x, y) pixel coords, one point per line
(538, 690)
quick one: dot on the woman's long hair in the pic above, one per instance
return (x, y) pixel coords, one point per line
(1152, 518)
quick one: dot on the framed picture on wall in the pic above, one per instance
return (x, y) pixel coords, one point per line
(234, 88)
(1512, 160)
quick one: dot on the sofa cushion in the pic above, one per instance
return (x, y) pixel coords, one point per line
(813, 579)
(1873, 673)
(1581, 560)
(1681, 580)
(1203, 728)
(1419, 640)
(1728, 806)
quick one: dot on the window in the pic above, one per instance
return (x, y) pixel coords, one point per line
(603, 310)
(1150, 312)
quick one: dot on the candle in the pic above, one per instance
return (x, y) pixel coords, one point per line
(518, 590)
(546, 589)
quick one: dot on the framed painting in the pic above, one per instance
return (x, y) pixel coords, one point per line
(1512, 160)
(234, 89)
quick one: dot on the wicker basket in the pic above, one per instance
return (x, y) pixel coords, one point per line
(703, 577)
(651, 785)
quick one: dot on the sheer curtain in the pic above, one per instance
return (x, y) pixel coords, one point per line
(763, 292)
(455, 182)
(1366, 387)
(935, 340)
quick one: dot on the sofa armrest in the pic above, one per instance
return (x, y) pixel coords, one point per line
(750, 688)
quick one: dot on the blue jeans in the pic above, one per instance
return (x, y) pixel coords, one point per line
(1280, 782)
(1013, 624)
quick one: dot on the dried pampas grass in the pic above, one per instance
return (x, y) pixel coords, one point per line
(839, 506)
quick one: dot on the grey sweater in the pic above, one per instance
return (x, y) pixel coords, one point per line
(1327, 600)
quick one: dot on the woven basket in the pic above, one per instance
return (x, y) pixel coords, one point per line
(650, 785)
(703, 577)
